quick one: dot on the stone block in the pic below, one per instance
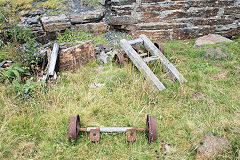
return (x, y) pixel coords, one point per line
(73, 57)
(122, 20)
(55, 23)
(96, 28)
(88, 16)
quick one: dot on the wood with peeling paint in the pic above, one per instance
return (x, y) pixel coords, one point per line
(141, 65)
(164, 61)
(53, 60)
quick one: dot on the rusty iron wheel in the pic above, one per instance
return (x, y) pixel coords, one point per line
(73, 128)
(119, 58)
(151, 128)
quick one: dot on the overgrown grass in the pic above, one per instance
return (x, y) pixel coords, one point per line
(208, 104)
(77, 36)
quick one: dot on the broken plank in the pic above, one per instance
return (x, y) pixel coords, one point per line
(141, 65)
(53, 60)
(168, 65)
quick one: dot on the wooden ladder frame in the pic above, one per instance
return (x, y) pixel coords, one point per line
(156, 54)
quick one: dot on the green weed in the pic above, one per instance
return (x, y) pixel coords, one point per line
(76, 36)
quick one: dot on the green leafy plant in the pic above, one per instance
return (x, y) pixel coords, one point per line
(30, 55)
(15, 72)
(24, 90)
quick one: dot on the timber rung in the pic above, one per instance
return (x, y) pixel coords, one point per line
(156, 54)
(152, 58)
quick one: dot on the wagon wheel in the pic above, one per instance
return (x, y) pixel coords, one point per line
(151, 128)
(73, 128)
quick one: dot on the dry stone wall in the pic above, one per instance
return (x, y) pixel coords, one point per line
(159, 19)
(176, 19)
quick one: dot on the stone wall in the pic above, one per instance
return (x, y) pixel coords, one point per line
(176, 19)
(159, 19)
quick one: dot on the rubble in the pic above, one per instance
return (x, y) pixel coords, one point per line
(103, 57)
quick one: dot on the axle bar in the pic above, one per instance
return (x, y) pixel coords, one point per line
(111, 129)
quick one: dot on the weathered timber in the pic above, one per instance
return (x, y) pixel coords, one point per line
(152, 58)
(156, 52)
(53, 60)
(140, 64)
(137, 41)
(142, 55)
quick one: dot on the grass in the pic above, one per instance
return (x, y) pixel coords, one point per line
(76, 36)
(208, 104)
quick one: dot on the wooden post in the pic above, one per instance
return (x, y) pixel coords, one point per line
(156, 52)
(141, 65)
(53, 60)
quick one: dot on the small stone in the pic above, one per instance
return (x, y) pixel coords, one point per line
(103, 57)
(99, 68)
(97, 85)
(99, 48)
(210, 39)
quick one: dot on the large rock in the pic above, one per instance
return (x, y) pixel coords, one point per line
(210, 146)
(33, 23)
(96, 28)
(210, 39)
(55, 23)
(71, 58)
(91, 15)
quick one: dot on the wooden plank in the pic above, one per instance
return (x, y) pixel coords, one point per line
(168, 65)
(137, 41)
(140, 64)
(53, 60)
(142, 55)
(149, 59)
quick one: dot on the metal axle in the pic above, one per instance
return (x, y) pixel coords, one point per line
(111, 129)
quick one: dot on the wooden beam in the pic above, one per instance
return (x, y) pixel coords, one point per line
(142, 55)
(137, 41)
(53, 60)
(149, 59)
(140, 64)
(165, 62)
